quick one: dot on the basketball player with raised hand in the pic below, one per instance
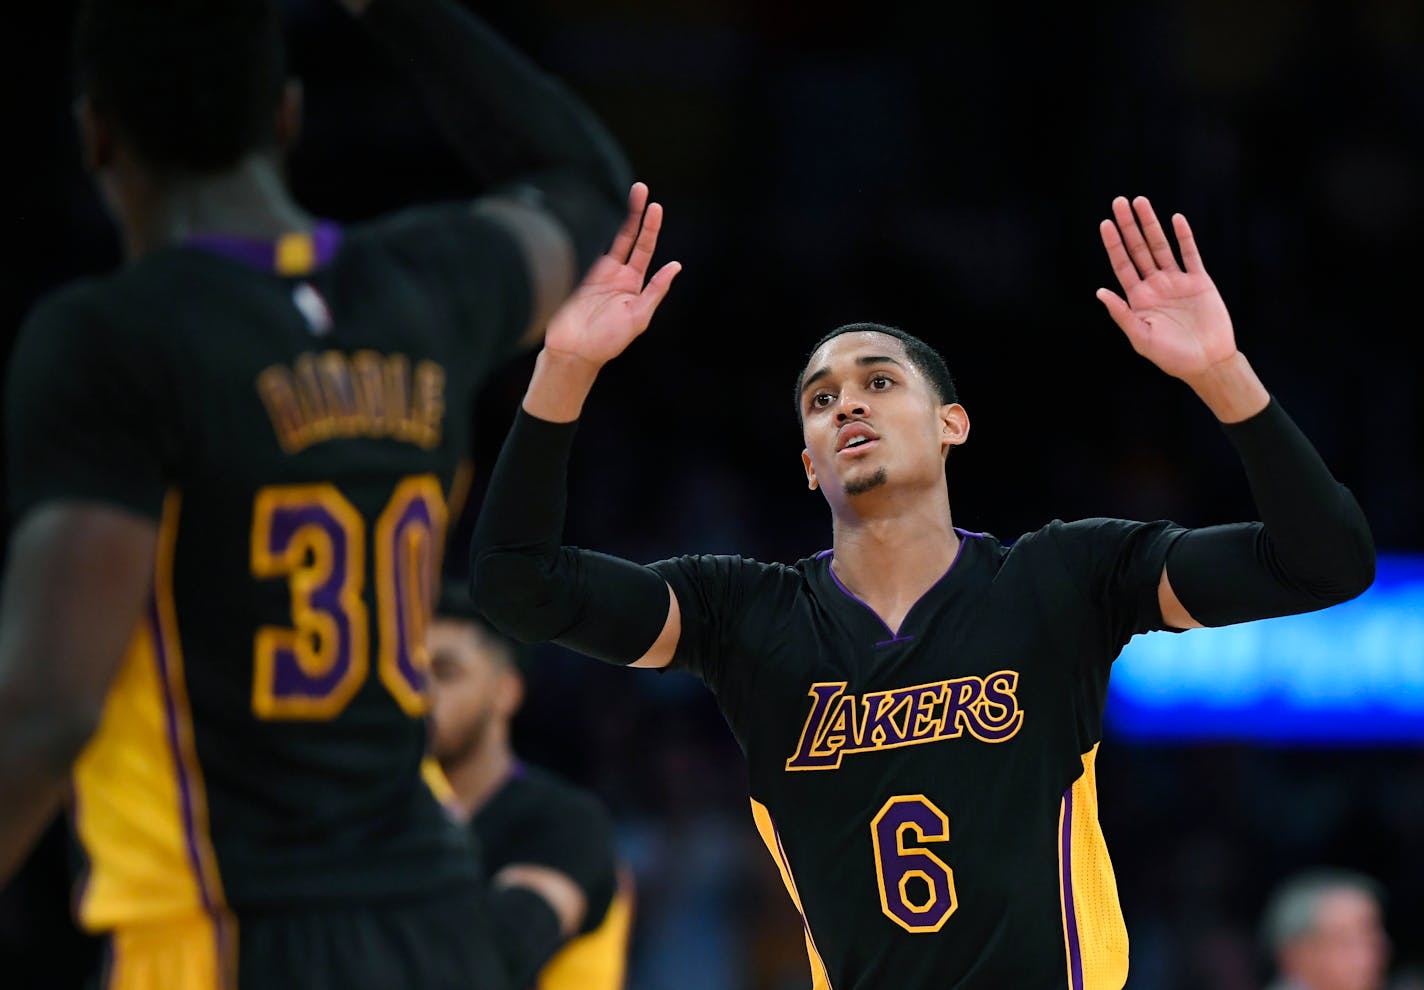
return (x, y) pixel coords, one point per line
(921, 706)
(228, 470)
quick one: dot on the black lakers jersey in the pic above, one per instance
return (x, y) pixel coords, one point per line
(537, 818)
(928, 794)
(292, 414)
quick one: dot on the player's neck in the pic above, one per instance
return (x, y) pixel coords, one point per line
(248, 200)
(479, 774)
(890, 559)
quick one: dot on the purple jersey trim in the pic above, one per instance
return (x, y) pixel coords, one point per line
(805, 922)
(895, 637)
(1070, 916)
(185, 792)
(262, 253)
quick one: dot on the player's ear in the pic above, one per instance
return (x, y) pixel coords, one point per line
(510, 693)
(96, 137)
(954, 425)
(811, 482)
(288, 125)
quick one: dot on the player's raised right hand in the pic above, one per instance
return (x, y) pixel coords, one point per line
(613, 305)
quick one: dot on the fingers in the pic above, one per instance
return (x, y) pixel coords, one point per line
(1156, 237)
(1136, 247)
(1191, 257)
(1119, 310)
(655, 292)
(628, 233)
(1122, 265)
(647, 242)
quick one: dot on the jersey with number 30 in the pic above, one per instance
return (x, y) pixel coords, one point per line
(928, 794)
(292, 414)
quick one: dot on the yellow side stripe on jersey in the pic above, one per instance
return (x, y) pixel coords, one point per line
(1094, 933)
(192, 953)
(820, 979)
(140, 805)
(598, 960)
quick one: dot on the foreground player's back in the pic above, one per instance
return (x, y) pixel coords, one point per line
(294, 411)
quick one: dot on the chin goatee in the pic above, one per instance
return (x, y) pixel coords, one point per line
(862, 485)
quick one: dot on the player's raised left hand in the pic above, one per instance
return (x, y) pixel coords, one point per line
(1175, 318)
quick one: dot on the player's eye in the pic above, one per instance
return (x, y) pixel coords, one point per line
(821, 400)
(880, 383)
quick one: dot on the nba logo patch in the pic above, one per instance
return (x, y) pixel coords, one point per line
(313, 307)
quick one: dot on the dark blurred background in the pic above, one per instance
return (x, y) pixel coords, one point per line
(942, 170)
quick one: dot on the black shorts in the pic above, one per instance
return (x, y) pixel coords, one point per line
(442, 943)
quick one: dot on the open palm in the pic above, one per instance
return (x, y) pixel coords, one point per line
(613, 305)
(1173, 316)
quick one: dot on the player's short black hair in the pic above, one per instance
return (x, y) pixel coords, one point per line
(929, 361)
(192, 85)
(457, 603)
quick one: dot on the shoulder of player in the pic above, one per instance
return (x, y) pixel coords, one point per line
(1054, 533)
(410, 233)
(83, 319)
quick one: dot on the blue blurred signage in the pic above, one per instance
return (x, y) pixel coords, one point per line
(1352, 675)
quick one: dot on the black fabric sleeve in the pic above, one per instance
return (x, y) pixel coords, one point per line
(508, 119)
(526, 930)
(713, 596)
(1312, 548)
(1117, 565)
(84, 413)
(530, 587)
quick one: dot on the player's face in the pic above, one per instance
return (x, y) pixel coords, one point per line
(871, 420)
(470, 685)
(1347, 948)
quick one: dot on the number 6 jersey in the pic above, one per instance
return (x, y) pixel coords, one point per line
(928, 794)
(291, 413)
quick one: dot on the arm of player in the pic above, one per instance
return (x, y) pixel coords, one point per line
(1313, 546)
(75, 587)
(516, 126)
(535, 910)
(521, 578)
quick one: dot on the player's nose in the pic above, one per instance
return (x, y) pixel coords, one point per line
(851, 407)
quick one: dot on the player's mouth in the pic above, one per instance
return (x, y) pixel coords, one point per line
(855, 439)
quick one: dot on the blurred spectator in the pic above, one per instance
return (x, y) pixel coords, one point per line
(1326, 932)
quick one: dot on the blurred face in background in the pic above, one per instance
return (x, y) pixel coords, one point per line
(1346, 948)
(474, 688)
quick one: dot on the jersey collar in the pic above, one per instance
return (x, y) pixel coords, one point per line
(297, 253)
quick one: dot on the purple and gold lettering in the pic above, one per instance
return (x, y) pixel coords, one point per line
(807, 756)
(988, 707)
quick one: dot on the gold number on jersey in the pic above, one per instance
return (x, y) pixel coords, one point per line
(409, 535)
(916, 886)
(312, 536)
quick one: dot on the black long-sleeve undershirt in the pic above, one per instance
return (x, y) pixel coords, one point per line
(1312, 549)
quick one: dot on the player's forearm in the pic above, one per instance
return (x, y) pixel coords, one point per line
(559, 386)
(527, 931)
(533, 588)
(502, 113)
(1231, 389)
(36, 753)
(1312, 549)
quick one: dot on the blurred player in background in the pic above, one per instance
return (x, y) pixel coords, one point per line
(921, 707)
(228, 471)
(528, 823)
(1325, 931)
